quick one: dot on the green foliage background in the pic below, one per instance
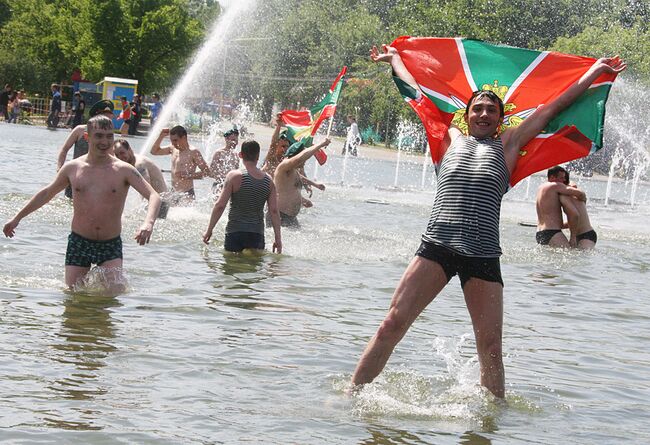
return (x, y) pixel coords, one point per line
(289, 51)
(43, 41)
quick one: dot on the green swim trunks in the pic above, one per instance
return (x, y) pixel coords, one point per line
(84, 252)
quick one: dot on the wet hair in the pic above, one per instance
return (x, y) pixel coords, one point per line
(178, 130)
(250, 151)
(123, 142)
(99, 121)
(554, 171)
(490, 95)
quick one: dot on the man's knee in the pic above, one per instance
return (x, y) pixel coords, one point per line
(393, 326)
(490, 347)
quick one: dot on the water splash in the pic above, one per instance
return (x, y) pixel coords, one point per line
(409, 136)
(630, 138)
(221, 32)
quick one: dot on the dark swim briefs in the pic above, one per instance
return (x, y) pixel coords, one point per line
(543, 237)
(181, 198)
(285, 221)
(590, 235)
(238, 241)
(487, 269)
(84, 252)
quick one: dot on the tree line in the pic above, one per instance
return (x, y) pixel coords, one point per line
(289, 51)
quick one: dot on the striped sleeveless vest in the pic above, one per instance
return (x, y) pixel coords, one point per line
(247, 205)
(472, 179)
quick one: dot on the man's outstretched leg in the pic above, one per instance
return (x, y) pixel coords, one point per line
(421, 282)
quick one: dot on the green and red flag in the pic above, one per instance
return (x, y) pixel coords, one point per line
(449, 70)
(302, 125)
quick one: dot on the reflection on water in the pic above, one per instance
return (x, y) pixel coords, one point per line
(86, 331)
(472, 438)
(381, 435)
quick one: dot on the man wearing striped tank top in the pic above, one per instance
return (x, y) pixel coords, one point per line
(462, 236)
(248, 190)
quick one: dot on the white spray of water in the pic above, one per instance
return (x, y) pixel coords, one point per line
(219, 35)
(631, 137)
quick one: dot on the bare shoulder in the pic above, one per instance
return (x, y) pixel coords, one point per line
(79, 131)
(196, 153)
(124, 167)
(144, 161)
(218, 153)
(234, 174)
(72, 165)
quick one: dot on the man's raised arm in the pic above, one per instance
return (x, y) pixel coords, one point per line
(301, 157)
(72, 138)
(156, 149)
(517, 137)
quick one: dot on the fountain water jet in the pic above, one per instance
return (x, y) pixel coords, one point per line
(221, 31)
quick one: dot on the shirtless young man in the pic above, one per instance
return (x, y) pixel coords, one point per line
(78, 137)
(549, 209)
(248, 190)
(583, 235)
(224, 160)
(149, 171)
(100, 183)
(289, 183)
(185, 161)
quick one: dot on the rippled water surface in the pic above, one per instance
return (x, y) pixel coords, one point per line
(214, 348)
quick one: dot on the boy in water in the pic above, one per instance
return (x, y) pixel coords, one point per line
(224, 160)
(462, 236)
(248, 190)
(100, 183)
(185, 160)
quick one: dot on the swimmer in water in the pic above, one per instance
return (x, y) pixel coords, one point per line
(100, 183)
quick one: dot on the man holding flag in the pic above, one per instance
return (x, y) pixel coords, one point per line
(301, 125)
(475, 168)
(288, 181)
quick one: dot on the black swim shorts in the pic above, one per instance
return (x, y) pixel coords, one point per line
(238, 241)
(285, 221)
(487, 269)
(590, 235)
(181, 198)
(543, 237)
(84, 252)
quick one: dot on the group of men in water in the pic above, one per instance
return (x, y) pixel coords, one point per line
(461, 238)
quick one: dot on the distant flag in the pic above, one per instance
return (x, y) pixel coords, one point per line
(449, 70)
(302, 125)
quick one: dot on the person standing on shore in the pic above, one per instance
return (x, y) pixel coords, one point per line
(4, 101)
(78, 109)
(462, 236)
(156, 109)
(55, 108)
